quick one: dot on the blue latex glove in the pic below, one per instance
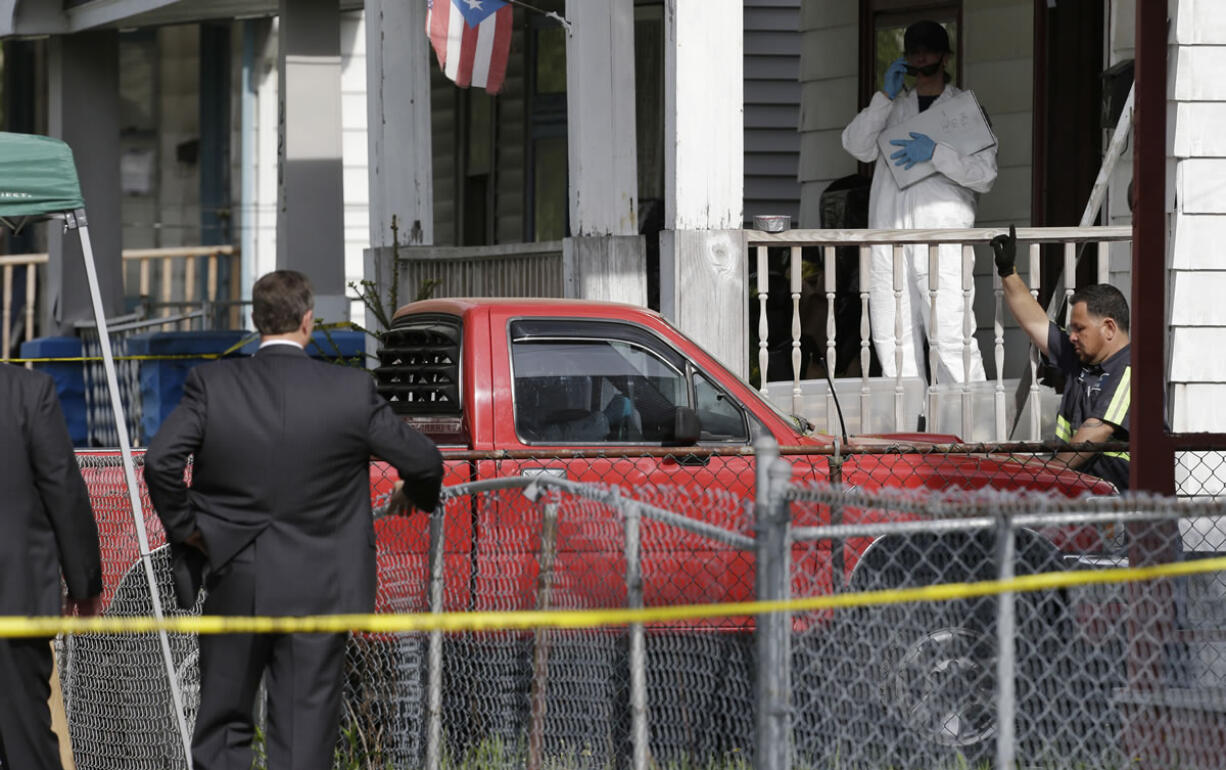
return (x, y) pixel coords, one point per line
(894, 76)
(917, 149)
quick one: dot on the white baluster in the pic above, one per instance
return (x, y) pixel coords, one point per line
(1104, 262)
(763, 329)
(898, 287)
(1034, 351)
(968, 332)
(830, 273)
(1070, 279)
(998, 350)
(934, 336)
(866, 356)
(796, 330)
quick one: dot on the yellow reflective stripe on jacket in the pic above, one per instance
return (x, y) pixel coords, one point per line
(1121, 400)
(1125, 456)
(1064, 431)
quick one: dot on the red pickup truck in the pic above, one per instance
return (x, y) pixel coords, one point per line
(610, 394)
(529, 384)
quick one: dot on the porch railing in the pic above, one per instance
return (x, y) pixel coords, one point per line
(175, 285)
(503, 270)
(11, 262)
(168, 280)
(760, 243)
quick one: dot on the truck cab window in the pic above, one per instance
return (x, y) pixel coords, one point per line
(603, 390)
(721, 418)
(594, 391)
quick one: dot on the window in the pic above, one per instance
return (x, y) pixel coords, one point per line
(885, 21)
(720, 417)
(576, 384)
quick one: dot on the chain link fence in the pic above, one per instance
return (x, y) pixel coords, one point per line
(1085, 674)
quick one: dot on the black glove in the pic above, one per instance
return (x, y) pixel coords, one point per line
(1005, 249)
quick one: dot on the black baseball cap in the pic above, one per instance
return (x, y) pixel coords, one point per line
(926, 35)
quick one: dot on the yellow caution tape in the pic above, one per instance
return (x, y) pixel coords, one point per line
(496, 621)
(80, 359)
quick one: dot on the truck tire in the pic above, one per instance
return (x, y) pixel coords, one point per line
(933, 664)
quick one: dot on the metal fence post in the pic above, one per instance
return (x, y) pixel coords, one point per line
(773, 631)
(1006, 662)
(542, 638)
(434, 665)
(632, 517)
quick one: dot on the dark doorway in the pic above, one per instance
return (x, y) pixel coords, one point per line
(1068, 121)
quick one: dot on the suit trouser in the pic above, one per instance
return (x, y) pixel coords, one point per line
(26, 740)
(909, 315)
(303, 681)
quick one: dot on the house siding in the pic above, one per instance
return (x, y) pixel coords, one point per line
(1196, 207)
(510, 156)
(355, 164)
(772, 107)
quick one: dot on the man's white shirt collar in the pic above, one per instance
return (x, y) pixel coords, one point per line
(270, 343)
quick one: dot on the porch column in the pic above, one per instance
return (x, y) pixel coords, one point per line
(83, 110)
(398, 124)
(702, 248)
(606, 257)
(310, 211)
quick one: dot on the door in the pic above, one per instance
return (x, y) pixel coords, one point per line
(608, 385)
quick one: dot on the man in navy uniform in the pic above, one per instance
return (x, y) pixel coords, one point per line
(1095, 356)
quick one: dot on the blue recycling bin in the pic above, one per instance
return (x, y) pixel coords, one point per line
(161, 381)
(342, 347)
(69, 379)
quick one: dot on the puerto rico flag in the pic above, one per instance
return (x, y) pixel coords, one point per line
(472, 39)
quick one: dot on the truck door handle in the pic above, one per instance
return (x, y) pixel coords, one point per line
(688, 459)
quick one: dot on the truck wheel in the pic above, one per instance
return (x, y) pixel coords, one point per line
(933, 664)
(938, 680)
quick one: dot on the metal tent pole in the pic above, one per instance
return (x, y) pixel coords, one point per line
(76, 221)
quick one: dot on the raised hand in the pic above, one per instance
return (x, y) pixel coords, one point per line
(1004, 249)
(894, 76)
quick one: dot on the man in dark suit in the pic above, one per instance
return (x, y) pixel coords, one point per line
(279, 508)
(46, 527)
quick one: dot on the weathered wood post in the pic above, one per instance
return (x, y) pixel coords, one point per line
(605, 257)
(703, 276)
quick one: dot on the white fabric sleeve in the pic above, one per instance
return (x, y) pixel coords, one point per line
(860, 136)
(976, 172)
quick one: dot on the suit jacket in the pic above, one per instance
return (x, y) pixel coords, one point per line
(46, 523)
(282, 447)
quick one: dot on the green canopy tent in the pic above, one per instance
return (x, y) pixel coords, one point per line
(38, 182)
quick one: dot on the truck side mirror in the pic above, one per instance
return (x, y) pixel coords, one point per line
(687, 428)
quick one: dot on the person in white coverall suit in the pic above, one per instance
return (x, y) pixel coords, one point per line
(943, 200)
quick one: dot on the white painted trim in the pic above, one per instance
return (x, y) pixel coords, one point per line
(400, 165)
(601, 118)
(704, 133)
(7, 9)
(100, 12)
